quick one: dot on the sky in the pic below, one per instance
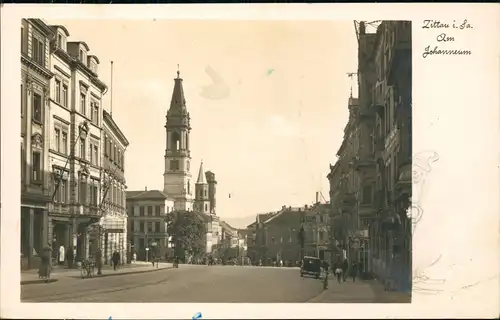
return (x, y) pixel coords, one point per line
(268, 128)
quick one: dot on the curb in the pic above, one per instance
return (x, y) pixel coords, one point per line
(42, 281)
(122, 273)
(39, 281)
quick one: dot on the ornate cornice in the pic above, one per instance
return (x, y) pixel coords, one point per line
(36, 67)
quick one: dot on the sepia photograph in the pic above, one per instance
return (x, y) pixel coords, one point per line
(217, 161)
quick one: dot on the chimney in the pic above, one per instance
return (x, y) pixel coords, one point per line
(362, 27)
(145, 188)
(317, 197)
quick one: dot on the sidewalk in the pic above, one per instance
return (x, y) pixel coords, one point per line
(358, 292)
(58, 273)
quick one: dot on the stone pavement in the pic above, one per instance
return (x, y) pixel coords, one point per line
(358, 292)
(59, 273)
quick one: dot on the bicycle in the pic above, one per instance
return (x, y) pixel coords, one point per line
(87, 269)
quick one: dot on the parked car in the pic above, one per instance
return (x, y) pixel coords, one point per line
(311, 266)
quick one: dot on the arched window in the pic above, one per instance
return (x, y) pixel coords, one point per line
(206, 207)
(205, 192)
(176, 141)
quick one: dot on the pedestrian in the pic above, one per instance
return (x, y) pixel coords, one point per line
(114, 259)
(338, 273)
(62, 255)
(98, 260)
(345, 267)
(354, 271)
(134, 257)
(69, 258)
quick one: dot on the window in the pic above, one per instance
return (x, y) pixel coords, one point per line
(174, 164)
(37, 161)
(205, 193)
(93, 193)
(64, 143)
(57, 137)
(158, 210)
(94, 112)
(65, 95)
(63, 191)
(96, 153)
(82, 190)
(82, 148)
(188, 164)
(141, 211)
(91, 150)
(150, 210)
(105, 146)
(37, 107)
(111, 151)
(59, 41)
(23, 40)
(141, 242)
(367, 195)
(189, 186)
(38, 51)
(150, 226)
(22, 100)
(141, 226)
(82, 103)
(157, 226)
(58, 91)
(206, 207)
(81, 56)
(321, 235)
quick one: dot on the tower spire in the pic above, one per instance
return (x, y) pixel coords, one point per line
(178, 72)
(201, 175)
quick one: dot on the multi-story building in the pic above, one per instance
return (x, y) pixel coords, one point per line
(212, 188)
(114, 221)
(35, 93)
(337, 223)
(177, 176)
(147, 230)
(316, 225)
(276, 236)
(374, 165)
(82, 161)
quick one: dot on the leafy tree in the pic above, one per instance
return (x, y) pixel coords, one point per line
(187, 230)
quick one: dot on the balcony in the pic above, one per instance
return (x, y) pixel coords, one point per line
(363, 162)
(404, 182)
(378, 98)
(59, 208)
(88, 211)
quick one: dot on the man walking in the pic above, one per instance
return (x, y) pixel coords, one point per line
(345, 267)
(354, 271)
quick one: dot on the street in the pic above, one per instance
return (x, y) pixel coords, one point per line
(195, 283)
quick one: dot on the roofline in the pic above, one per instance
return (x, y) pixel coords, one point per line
(113, 126)
(83, 43)
(63, 28)
(95, 57)
(143, 191)
(39, 23)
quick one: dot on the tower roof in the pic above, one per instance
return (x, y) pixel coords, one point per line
(178, 109)
(201, 175)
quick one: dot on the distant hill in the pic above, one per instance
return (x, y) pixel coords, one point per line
(239, 223)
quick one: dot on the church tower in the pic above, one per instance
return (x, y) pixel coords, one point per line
(201, 200)
(177, 175)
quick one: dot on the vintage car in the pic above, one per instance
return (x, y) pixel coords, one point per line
(311, 266)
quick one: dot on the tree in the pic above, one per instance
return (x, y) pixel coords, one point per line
(187, 230)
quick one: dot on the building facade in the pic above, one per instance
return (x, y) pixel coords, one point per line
(177, 175)
(275, 237)
(147, 229)
(36, 75)
(316, 225)
(76, 123)
(371, 181)
(113, 224)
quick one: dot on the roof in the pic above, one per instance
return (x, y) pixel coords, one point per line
(108, 119)
(226, 225)
(178, 102)
(201, 175)
(145, 194)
